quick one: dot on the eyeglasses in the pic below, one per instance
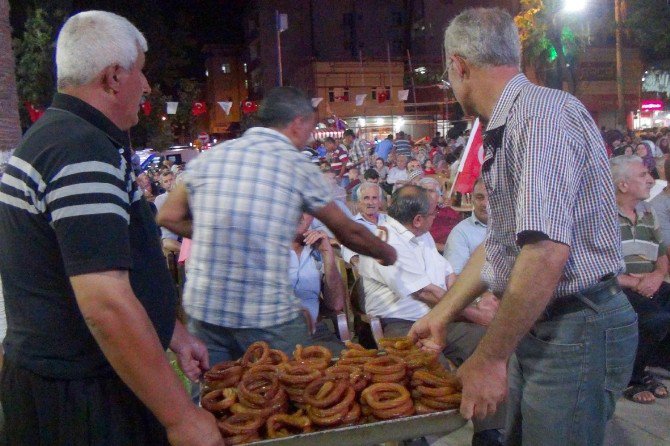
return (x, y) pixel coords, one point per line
(444, 79)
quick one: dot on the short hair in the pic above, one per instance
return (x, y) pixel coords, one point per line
(425, 181)
(282, 105)
(619, 167)
(349, 132)
(329, 139)
(408, 202)
(368, 185)
(91, 41)
(371, 174)
(485, 36)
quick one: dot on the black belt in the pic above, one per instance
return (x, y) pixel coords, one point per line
(598, 294)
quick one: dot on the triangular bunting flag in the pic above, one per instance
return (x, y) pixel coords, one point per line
(359, 99)
(171, 107)
(402, 95)
(226, 106)
(316, 102)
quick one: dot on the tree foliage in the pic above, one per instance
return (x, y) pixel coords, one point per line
(35, 53)
(171, 53)
(648, 23)
(551, 40)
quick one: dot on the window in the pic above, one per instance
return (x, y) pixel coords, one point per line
(375, 91)
(245, 67)
(225, 68)
(338, 94)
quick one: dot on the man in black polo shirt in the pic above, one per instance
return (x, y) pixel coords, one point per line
(90, 303)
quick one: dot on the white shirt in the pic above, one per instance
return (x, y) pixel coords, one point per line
(396, 174)
(347, 253)
(305, 276)
(388, 289)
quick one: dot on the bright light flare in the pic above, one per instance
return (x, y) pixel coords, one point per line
(574, 5)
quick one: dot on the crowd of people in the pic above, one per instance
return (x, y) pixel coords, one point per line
(523, 295)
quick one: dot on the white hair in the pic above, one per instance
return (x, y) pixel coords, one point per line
(368, 185)
(619, 167)
(93, 40)
(485, 37)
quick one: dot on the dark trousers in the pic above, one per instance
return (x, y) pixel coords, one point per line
(654, 324)
(93, 411)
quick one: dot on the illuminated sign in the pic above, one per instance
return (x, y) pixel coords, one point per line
(652, 104)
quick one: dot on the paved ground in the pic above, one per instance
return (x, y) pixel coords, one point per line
(633, 424)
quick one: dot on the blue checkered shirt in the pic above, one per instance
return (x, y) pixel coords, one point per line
(546, 171)
(246, 196)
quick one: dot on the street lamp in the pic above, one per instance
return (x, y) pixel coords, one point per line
(574, 5)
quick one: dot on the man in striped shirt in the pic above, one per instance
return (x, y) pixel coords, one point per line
(90, 304)
(561, 347)
(645, 254)
(402, 145)
(339, 158)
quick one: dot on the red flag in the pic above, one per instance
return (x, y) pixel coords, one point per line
(471, 162)
(249, 107)
(146, 107)
(34, 112)
(198, 108)
(381, 97)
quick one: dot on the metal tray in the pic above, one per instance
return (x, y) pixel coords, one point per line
(378, 432)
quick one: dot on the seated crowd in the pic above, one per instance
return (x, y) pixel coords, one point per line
(434, 242)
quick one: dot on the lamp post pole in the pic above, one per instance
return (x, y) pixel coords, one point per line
(618, 11)
(281, 24)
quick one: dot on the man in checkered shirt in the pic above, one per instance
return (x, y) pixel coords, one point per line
(560, 349)
(240, 204)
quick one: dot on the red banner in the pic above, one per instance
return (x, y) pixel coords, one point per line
(198, 108)
(249, 107)
(471, 162)
(146, 107)
(34, 112)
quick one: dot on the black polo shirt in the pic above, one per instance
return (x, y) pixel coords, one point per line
(69, 205)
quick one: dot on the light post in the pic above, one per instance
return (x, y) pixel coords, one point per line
(281, 24)
(619, 7)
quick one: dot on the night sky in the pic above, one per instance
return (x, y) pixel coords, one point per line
(205, 21)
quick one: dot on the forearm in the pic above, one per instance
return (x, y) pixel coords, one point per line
(183, 228)
(333, 287)
(627, 281)
(359, 239)
(175, 214)
(532, 283)
(122, 329)
(662, 266)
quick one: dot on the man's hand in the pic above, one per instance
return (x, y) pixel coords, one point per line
(197, 428)
(429, 333)
(319, 239)
(484, 386)
(648, 284)
(482, 312)
(627, 281)
(191, 353)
